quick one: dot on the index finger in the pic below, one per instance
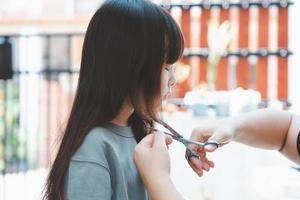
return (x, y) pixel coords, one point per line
(159, 139)
(201, 134)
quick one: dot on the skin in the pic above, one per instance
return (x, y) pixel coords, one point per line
(156, 175)
(267, 129)
(144, 156)
(167, 82)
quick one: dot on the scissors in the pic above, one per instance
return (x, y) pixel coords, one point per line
(178, 137)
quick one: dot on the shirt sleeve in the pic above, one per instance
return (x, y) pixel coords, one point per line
(88, 181)
(298, 143)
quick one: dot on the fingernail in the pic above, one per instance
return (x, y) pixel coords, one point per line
(200, 173)
(206, 167)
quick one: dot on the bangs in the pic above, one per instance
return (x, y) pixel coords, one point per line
(174, 42)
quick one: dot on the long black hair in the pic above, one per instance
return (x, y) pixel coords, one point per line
(125, 46)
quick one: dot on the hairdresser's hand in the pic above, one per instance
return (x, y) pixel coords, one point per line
(221, 131)
(152, 157)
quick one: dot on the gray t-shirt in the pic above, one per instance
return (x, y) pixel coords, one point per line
(103, 167)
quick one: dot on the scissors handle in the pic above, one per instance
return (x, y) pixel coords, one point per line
(200, 144)
(190, 153)
(211, 142)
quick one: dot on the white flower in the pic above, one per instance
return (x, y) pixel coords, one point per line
(219, 37)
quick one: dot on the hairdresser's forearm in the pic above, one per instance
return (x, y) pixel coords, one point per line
(162, 188)
(289, 148)
(264, 128)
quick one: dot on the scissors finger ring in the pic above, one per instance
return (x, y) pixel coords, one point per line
(211, 142)
(190, 154)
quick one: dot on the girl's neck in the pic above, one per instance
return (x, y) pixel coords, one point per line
(122, 118)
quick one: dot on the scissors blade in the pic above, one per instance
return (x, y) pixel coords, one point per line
(167, 126)
(187, 142)
(173, 136)
(176, 136)
(200, 144)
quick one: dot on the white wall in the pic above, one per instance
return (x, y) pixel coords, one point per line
(46, 8)
(294, 64)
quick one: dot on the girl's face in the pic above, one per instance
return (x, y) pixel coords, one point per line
(168, 80)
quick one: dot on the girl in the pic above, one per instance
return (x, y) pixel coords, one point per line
(125, 73)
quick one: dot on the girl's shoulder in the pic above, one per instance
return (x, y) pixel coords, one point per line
(94, 147)
(106, 143)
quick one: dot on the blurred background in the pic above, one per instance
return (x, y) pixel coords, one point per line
(239, 56)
